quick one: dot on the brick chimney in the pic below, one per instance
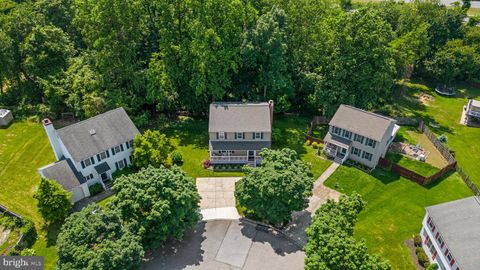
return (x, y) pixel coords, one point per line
(53, 138)
(270, 107)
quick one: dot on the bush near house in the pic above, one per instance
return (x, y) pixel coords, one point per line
(432, 266)
(422, 257)
(177, 157)
(54, 203)
(152, 148)
(417, 240)
(95, 189)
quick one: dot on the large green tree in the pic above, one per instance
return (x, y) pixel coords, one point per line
(278, 187)
(151, 148)
(6, 58)
(158, 203)
(96, 238)
(331, 245)
(54, 203)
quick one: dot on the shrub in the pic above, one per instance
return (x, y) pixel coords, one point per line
(315, 145)
(308, 142)
(422, 257)
(206, 164)
(168, 163)
(95, 189)
(276, 134)
(417, 240)
(28, 252)
(432, 266)
(443, 138)
(177, 157)
(29, 233)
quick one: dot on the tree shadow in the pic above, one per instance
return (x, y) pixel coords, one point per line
(189, 132)
(178, 254)
(386, 177)
(52, 230)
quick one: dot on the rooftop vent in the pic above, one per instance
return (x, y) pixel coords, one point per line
(92, 132)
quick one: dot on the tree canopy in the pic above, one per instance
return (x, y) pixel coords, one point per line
(53, 202)
(96, 238)
(151, 148)
(331, 244)
(278, 187)
(157, 203)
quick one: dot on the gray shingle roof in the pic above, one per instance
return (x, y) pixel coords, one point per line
(64, 173)
(342, 142)
(235, 145)
(459, 224)
(475, 103)
(111, 129)
(239, 117)
(365, 123)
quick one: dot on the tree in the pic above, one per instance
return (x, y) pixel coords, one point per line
(278, 187)
(46, 51)
(331, 244)
(158, 203)
(358, 66)
(54, 203)
(264, 52)
(151, 148)
(6, 58)
(96, 238)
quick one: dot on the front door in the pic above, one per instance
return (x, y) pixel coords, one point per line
(251, 155)
(104, 176)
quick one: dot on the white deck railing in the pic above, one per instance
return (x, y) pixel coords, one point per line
(233, 159)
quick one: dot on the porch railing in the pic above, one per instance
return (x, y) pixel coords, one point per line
(229, 158)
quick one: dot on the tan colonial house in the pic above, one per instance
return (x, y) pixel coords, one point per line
(359, 135)
(239, 131)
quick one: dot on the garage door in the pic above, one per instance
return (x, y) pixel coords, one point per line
(77, 194)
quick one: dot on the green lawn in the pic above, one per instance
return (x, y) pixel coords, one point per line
(419, 167)
(395, 208)
(24, 148)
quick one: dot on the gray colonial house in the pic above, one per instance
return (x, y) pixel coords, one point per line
(473, 109)
(359, 135)
(239, 131)
(89, 151)
(451, 234)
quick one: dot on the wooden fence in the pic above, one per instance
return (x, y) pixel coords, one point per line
(467, 181)
(409, 174)
(438, 144)
(316, 121)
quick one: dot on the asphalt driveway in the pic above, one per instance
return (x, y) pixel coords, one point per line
(224, 244)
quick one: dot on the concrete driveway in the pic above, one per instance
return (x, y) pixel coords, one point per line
(218, 198)
(224, 244)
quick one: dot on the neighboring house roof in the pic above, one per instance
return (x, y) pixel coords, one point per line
(365, 123)
(239, 117)
(110, 129)
(475, 103)
(459, 224)
(64, 173)
(235, 145)
(342, 142)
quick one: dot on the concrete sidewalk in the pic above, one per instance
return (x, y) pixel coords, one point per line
(221, 213)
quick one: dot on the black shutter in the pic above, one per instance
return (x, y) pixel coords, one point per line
(225, 135)
(121, 147)
(131, 159)
(113, 151)
(108, 153)
(83, 164)
(235, 135)
(125, 162)
(92, 160)
(243, 137)
(128, 147)
(98, 157)
(253, 135)
(217, 135)
(261, 135)
(116, 165)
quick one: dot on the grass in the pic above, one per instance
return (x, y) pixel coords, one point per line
(395, 208)
(24, 148)
(419, 167)
(474, 12)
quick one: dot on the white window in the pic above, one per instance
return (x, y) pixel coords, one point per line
(356, 151)
(358, 138)
(89, 177)
(347, 134)
(87, 162)
(336, 130)
(103, 155)
(121, 164)
(239, 136)
(117, 149)
(221, 135)
(367, 156)
(257, 135)
(371, 143)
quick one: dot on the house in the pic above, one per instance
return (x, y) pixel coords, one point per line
(6, 117)
(239, 131)
(473, 109)
(89, 151)
(451, 234)
(359, 135)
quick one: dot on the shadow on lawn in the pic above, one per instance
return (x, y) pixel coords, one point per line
(190, 132)
(52, 231)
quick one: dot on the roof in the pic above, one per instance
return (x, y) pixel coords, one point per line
(239, 117)
(364, 123)
(459, 224)
(64, 173)
(475, 103)
(102, 167)
(110, 129)
(234, 145)
(342, 142)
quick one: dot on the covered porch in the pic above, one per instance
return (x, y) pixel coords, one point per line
(337, 148)
(227, 152)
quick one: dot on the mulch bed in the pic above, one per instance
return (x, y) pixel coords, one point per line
(411, 247)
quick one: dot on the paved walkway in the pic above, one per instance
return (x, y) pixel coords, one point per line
(218, 198)
(302, 219)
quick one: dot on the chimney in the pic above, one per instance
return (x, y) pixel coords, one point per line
(270, 107)
(53, 138)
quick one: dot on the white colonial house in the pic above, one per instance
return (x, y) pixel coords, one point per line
(239, 131)
(451, 234)
(89, 151)
(359, 135)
